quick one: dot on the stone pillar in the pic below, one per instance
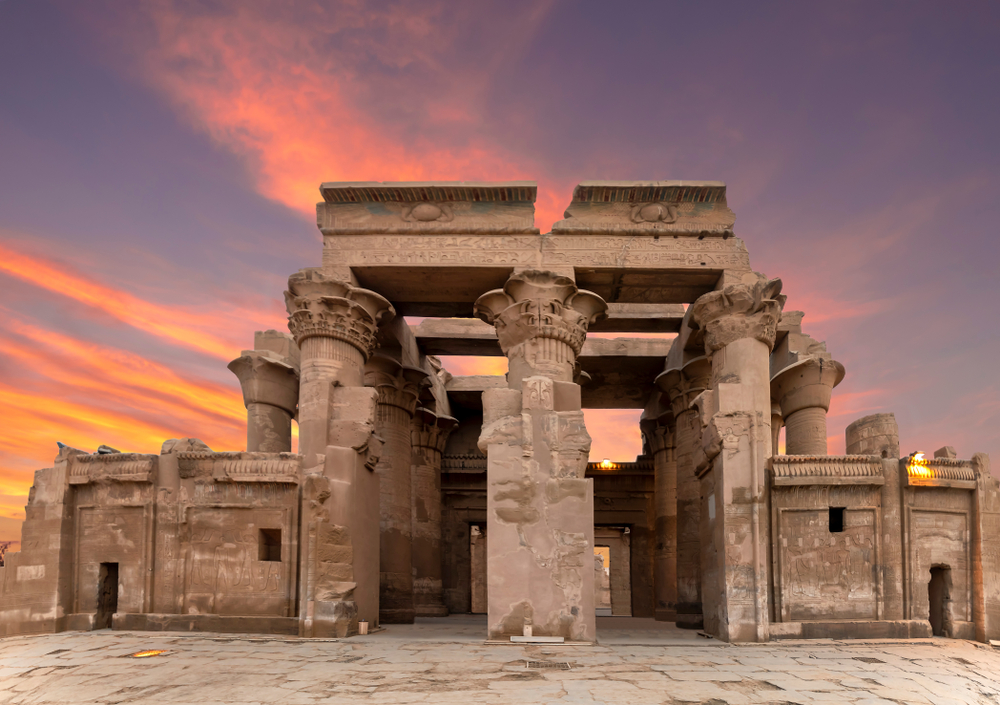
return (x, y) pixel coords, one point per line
(334, 324)
(398, 388)
(682, 386)
(270, 392)
(428, 436)
(661, 443)
(540, 506)
(878, 434)
(739, 323)
(803, 375)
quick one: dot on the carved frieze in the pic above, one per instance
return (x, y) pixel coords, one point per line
(113, 467)
(427, 208)
(322, 306)
(797, 470)
(692, 209)
(240, 467)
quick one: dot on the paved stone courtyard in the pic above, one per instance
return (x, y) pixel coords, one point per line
(446, 661)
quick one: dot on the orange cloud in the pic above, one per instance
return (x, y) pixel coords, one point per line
(179, 326)
(323, 94)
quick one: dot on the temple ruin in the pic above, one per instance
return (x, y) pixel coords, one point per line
(415, 493)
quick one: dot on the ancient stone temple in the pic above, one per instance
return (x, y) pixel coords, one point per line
(413, 493)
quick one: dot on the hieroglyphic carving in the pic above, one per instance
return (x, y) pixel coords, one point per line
(224, 575)
(649, 251)
(823, 571)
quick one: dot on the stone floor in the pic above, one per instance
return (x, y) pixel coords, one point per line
(446, 661)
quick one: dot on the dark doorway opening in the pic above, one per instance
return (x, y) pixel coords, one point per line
(269, 545)
(837, 519)
(938, 595)
(107, 595)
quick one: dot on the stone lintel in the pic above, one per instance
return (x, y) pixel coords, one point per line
(470, 336)
(682, 208)
(428, 207)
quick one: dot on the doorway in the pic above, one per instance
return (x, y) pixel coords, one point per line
(612, 571)
(939, 598)
(107, 595)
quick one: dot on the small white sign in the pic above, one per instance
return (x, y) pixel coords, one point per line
(30, 572)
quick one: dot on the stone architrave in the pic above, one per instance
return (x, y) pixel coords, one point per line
(428, 436)
(739, 324)
(271, 393)
(682, 385)
(334, 325)
(540, 506)
(802, 381)
(398, 388)
(663, 447)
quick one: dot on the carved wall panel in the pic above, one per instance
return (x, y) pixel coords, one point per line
(825, 575)
(113, 534)
(224, 573)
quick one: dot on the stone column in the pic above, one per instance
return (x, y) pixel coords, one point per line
(739, 323)
(540, 506)
(398, 388)
(428, 436)
(682, 385)
(270, 392)
(802, 389)
(334, 324)
(661, 443)
(878, 434)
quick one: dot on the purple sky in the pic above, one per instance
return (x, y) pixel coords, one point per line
(169, 153)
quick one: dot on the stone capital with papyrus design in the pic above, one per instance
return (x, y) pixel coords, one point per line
(739, 311)
(542, 318)
(430, 430)
(397, 385)
(683, 384)
(321, 306)
(267, 379)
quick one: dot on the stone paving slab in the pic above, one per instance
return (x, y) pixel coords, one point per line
(418, 664)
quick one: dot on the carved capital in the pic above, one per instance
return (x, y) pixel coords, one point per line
(807, 383)
(397, 385)
(321, 306)
(267, 379)
(683, 384)
(662, 439)
(430, 430)
(537, 304)
(739, 311)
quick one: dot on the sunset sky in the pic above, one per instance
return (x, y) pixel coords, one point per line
(159, 165)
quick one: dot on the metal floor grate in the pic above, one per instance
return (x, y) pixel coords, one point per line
(557, 665)
(868, 659)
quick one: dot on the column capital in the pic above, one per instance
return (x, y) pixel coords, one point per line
(397, 385)
(322, 306)
(806, 383)
(683, 384)
(267, 379)
(430, 430)
(739, 311)
(540, 304)
(661, 439)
